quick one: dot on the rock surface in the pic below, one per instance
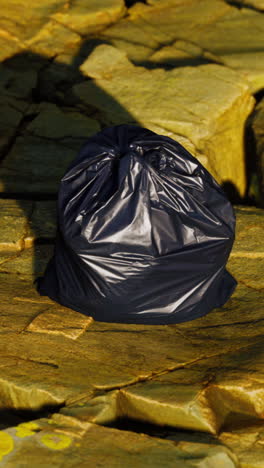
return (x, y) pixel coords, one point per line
(38, 160)
(56, 442)
(55, 25)
(256, 4)
(194, 30)
(75, 392)
(163, 101)
(205, 375)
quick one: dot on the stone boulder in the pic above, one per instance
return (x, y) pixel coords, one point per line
(204, 108)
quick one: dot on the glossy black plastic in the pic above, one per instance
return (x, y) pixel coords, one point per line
(144, 232)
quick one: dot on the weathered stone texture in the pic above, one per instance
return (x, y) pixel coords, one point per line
(220, 32)
(168, 103)
(55, 25)
(192, 393)
(57, 442)
(191, 32)
(258, 129)
(201, 375)
(23, 222)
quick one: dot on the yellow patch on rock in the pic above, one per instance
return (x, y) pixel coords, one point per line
(56, 441)
(26, 429)
(6, 444)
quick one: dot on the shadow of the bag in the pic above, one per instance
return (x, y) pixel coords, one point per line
(49, 125)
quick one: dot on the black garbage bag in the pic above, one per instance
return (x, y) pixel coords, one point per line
(144, 232)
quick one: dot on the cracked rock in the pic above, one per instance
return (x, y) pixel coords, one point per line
(235, 37)
(247, 444)
(53, 39)
(26, 23)
(22, 21)
(249, 232)
(27, 263)
(56, 322)
(168, 103)
(12, 113)
(77, 17)
(57, 440)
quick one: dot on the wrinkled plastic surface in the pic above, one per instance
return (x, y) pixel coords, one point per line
(144, 232)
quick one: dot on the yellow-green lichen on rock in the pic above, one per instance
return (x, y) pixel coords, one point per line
(65, 439)
(6, 444)
(26, 429)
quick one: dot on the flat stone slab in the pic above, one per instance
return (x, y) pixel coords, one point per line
(200, 375)
(257, 4)
(57, 25)
(176, 33)
(56, 322)
(54, 28)
(53, 123)
(53, 39)
(57, 440)
(35, 165)
(198, 117)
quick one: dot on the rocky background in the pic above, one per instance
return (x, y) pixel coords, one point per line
(79, 393)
